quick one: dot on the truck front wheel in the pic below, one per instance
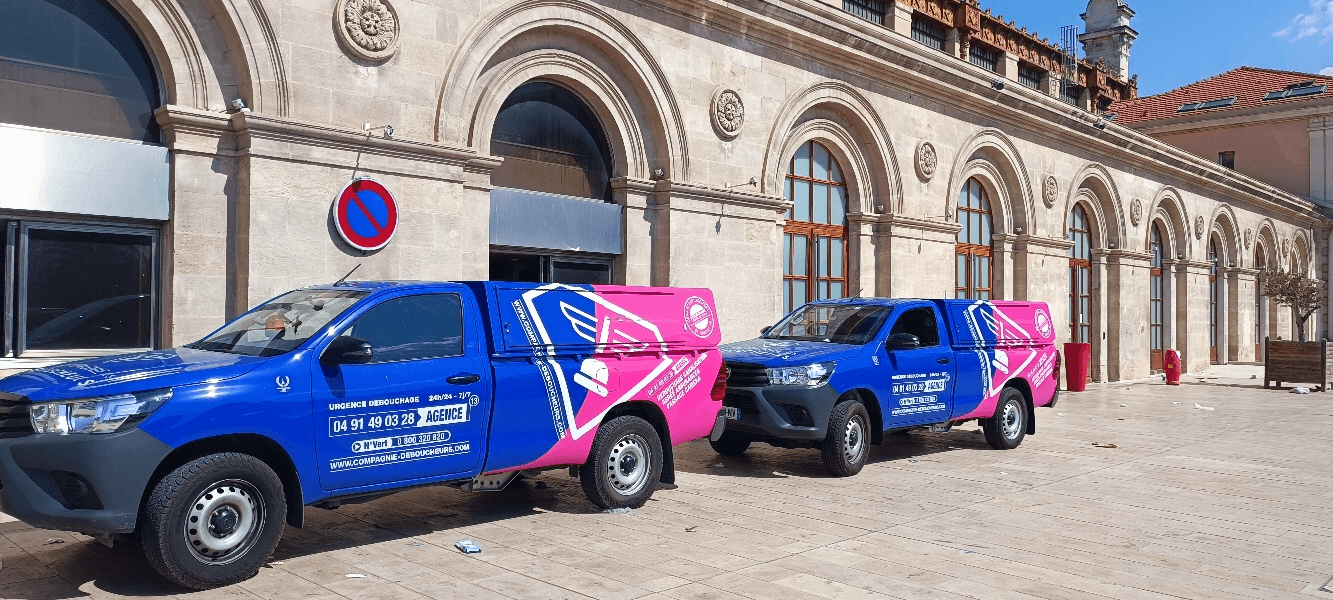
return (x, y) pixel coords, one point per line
(213, 521)
(848, 441)
(1006, 429)
(625, 464)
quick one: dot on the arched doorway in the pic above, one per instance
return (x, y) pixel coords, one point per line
(1260, 315)
(972, 269)
(77, 93)
(814, 238)
(1080, 274)
(1213, 292)
(1156, 299)
(551, 217)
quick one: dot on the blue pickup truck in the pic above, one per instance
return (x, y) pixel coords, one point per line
(339, 393)
(838, 374)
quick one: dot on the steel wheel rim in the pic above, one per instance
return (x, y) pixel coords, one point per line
(224, 522)
(629, 465)
(854, 440)
(1012, 420)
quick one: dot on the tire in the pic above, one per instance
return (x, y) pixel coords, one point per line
(847, 443)
(624, 465)
(730, 444)
(1006, 429)
(237, 495)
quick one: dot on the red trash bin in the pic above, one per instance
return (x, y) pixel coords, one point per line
(1078, 362)
(1171, 365)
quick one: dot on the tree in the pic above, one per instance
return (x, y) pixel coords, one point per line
(1294, 290)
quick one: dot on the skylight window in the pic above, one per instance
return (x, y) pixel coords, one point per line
(1296, 90)
(1193, 106)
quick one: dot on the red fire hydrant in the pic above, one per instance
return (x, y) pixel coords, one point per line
(1171, 364)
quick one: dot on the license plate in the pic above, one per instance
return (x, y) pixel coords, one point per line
(732, 413)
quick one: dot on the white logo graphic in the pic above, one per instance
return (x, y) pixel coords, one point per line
(284, 383)
(1043, 323)
(982, 314)
(594, 375)
(699, 317)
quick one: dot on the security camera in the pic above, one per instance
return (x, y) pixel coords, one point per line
(388, 131)
(997, 84)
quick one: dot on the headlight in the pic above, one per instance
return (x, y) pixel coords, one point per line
(809, 375)
(96, 415)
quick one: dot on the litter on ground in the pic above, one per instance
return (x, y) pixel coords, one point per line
(618, 511)
(1101, 445)
(691, 529)
(1123, 405)
(355, 576)
(1300, 390)
(1196, 405)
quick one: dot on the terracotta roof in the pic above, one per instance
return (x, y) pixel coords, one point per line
(1247, 85)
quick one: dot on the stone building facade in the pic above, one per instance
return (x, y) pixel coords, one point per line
(701, 125)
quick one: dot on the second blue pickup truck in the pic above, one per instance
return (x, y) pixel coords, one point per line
(838, 374)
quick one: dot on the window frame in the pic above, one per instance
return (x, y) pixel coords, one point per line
(865, 10)
(814, 231)
(984, 56)
(1026, 77)
(16, 285)
(1156, 296)
(935, 318)
(928, 32)
(1080, 272)
(973, 254)
(346, 329)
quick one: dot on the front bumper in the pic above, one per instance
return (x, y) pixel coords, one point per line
(767, 412)
(43, 477)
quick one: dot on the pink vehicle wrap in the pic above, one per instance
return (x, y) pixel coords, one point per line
(595, 349)
(1011, 341)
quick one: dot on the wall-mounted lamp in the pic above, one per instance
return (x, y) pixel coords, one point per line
(658, 174)
(1180, 256)
(1018, 230)
(1231, 264)
(754, 181)
(1111, 245)
(238, 105)
(388, 129)
(997, 84)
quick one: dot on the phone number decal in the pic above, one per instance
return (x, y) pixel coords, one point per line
(399, 419)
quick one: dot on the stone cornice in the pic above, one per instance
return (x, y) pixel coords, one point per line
(890, 222)
(668, 191)
(842, 42)
(196, 131)
(252, 126)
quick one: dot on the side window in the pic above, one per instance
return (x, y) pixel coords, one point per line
(921, 323)
(413, 328)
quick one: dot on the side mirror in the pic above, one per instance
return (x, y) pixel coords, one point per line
(765, 330)
(903, 341)
(347, 350)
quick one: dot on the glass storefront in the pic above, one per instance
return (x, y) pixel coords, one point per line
(550, 268)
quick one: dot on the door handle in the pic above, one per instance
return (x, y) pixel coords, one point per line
(463, 378)
(944, 360)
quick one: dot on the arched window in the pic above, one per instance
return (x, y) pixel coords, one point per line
(1156, 292)
(814, 247)
(75, 65)
(552, 143)
(1080, 270)
(972, 271)
(1212, 299)
(1260, 319)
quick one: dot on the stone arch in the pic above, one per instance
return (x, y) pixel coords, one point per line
(992, 153)
(261, 73)
(1301, 252)
(842, 144)
(1267, 239)
(993, 182)
(1222, 223)
(1094, 186)
(598, 55)
(842, 114)
(1170, 209)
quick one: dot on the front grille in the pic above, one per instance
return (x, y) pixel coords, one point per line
(746, 375)
(14, 421)
(740, 399)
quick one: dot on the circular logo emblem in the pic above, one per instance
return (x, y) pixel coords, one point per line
(1043, 323)
(699, 317)
(365, 214)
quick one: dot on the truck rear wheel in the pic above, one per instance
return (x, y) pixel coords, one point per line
(1006, 429)
(624, 465)
(213, 521)
(848, 441)
(730, 444)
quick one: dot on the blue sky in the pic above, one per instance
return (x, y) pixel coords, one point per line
(1183, 41)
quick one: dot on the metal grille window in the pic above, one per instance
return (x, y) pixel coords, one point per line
(972, 271)
(1030, 76)
(1071, 94)
(984, 57)
(1155, 301)
(869, 10)
(814, 247)
(927, 32)
(1080, 271)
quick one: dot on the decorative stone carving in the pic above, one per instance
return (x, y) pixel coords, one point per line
(368, 28)
(1198, 227)
(926, 161)
(1249, 236)
(1050, 190)
(1136, 212)
(728, 113)
(1286, 247)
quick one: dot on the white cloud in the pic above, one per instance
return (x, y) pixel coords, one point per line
(1318, 23)
(1327, 71)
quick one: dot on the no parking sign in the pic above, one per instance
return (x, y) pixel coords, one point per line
(365, 214)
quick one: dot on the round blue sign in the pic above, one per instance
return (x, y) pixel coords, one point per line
(365, 214)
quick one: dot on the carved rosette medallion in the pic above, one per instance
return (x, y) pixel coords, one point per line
(368, 28)
(1249, 236)
(1198, 227)
(926, 161)
(1136, 212)
(1050, 190)
(728, 113)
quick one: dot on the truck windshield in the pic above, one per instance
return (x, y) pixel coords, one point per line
(832, 323)
(280, 325)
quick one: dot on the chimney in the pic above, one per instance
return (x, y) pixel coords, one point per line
(1107, 34)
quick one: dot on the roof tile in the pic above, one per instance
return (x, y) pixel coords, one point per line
(1247, 84)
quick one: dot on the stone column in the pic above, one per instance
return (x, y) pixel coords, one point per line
(647, 232)
(1191, 314)
(1101, 301)
(907, 243)
(1246, 315)
(1129, 340)
(862, 255)
(1009, 66)
(898, 17)
(1224, 347)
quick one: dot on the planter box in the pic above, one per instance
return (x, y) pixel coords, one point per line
(1297, 362)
